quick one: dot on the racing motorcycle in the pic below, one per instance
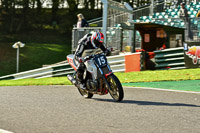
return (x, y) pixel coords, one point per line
(98, 76)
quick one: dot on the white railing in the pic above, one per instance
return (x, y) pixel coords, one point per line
(117, 64)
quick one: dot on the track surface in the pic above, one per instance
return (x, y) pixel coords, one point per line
(61, 109)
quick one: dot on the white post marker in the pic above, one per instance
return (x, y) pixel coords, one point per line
(18, 45)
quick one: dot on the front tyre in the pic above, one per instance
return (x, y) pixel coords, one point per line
(115, 90)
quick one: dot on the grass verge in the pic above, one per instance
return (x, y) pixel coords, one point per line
(183, 85)
(31, 81)
(131, 77)
(159, 75)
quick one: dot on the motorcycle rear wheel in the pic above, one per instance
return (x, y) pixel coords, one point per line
(85, 93)
(115, 90)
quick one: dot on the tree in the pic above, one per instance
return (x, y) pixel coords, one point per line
(55, 4)
(92, 4)
(8, 14)
(73, 5)
(25, 13)
(39, 6)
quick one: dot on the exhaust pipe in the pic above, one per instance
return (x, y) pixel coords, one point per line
(73, 81)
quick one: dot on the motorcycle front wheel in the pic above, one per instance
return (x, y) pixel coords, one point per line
(115, 89)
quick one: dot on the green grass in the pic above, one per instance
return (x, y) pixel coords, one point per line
(32, 56)
(184, 85)
(133, 77)
(160, 75)
(42, 47)
(42, 81)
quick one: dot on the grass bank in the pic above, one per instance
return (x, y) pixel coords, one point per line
(41, 48)
(160, 75)
(32, 56)
(132, 77)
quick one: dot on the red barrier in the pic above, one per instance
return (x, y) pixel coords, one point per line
(132, 62)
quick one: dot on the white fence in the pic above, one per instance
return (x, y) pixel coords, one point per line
(116, 62)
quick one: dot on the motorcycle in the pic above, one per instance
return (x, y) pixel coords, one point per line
(98, 76)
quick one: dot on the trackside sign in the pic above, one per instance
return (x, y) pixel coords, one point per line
(192, 54)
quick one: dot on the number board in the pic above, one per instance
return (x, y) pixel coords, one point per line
(101, 60)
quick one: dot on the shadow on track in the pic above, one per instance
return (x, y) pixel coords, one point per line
(150, 103)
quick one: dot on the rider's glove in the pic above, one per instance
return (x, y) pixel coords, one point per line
(86, 58)
(107, 52)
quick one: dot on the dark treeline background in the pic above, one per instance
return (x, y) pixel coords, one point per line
(58, 16)
(45, 26)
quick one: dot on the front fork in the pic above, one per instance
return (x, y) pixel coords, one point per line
(105, 76)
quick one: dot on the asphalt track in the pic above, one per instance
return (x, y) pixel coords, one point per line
(61, 109)
(185, 85)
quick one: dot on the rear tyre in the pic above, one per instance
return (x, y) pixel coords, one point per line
(116, 89)
(85, 93)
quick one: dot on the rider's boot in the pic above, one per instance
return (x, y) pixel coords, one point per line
(80, 80)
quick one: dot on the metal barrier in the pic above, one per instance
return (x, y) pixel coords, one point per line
(117, 64)
(172, 58)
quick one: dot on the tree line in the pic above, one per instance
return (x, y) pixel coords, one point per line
(22, 15)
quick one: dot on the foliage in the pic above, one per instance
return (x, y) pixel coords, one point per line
(24, 15)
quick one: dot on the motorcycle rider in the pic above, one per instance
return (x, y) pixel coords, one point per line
(89, 41)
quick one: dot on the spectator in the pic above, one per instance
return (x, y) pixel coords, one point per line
(81, 21)
(183, 14)
(181, 1)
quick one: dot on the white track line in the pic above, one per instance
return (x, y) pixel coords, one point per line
(158, 89)
(163, 89)
(4, 131)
